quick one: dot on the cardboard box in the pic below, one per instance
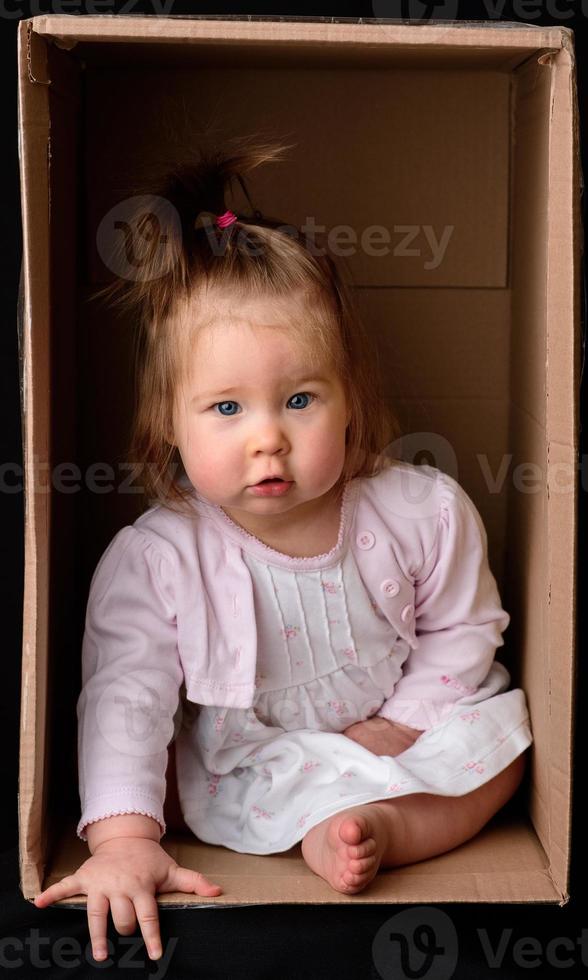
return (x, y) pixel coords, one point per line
(469, 126)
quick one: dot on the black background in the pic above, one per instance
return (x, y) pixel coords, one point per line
(285, 941)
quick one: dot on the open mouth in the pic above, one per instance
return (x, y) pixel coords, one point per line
(271, 487)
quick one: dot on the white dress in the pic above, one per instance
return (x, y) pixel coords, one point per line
(256, 780)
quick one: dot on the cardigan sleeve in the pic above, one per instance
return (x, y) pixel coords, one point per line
(458, 617)
(131, 678)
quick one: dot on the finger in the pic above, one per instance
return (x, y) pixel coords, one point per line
(187, 880)
(123, 914)
(97, 908)
(148, 916)
(65, 888)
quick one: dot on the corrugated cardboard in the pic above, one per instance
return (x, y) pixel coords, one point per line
(465, 124)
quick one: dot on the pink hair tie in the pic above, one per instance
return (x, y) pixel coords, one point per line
(226, 219)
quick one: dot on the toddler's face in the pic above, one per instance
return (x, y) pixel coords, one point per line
(254, 406)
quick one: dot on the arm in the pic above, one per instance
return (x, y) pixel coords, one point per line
(125, 825)
(459, 618)
(383, 737)
(131, 676)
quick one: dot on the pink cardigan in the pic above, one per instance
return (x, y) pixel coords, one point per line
(171, 604)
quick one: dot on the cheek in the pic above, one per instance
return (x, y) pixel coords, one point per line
(326, 447)
(204, 460)
(206, 475)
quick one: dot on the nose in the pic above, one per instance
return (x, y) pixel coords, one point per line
(269, 437)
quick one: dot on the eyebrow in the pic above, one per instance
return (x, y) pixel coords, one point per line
(304, 379)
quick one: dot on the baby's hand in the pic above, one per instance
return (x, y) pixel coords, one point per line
(383, 737)
(126, 872)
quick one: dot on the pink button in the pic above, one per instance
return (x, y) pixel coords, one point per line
(390, 587)
(407, 613)
(365, 540)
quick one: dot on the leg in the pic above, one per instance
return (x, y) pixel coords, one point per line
(348, 848)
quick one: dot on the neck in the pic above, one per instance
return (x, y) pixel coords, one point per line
(315, 521)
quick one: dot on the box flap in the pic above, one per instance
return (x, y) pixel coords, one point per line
(33, 115)
(562, 422)
(519, 38)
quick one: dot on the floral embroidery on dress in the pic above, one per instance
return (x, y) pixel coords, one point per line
(350, 653)
(330, 587)
(213, 779)
(396, 787)
(339, 707)
(311, 764)
(260, 812)
(474, 767)
(302, 820)
(470, 717)
(456, 684)
(290, 632)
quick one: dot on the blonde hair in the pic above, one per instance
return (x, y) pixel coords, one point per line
(255, 257)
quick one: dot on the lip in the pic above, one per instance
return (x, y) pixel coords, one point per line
(277, 488)
(272, 476)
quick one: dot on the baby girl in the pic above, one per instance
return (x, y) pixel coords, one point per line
(312, 622)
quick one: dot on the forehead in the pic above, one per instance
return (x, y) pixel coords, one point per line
(238, 354)
(232, 327)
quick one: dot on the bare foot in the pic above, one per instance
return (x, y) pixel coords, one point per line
(346, 849)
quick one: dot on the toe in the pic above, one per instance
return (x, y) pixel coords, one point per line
(354, 881)
(362, 866)
(353, 830)
(365, 849)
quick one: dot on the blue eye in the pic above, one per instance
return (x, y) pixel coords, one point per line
(224, 404)
(301, 394)
(229, 414)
